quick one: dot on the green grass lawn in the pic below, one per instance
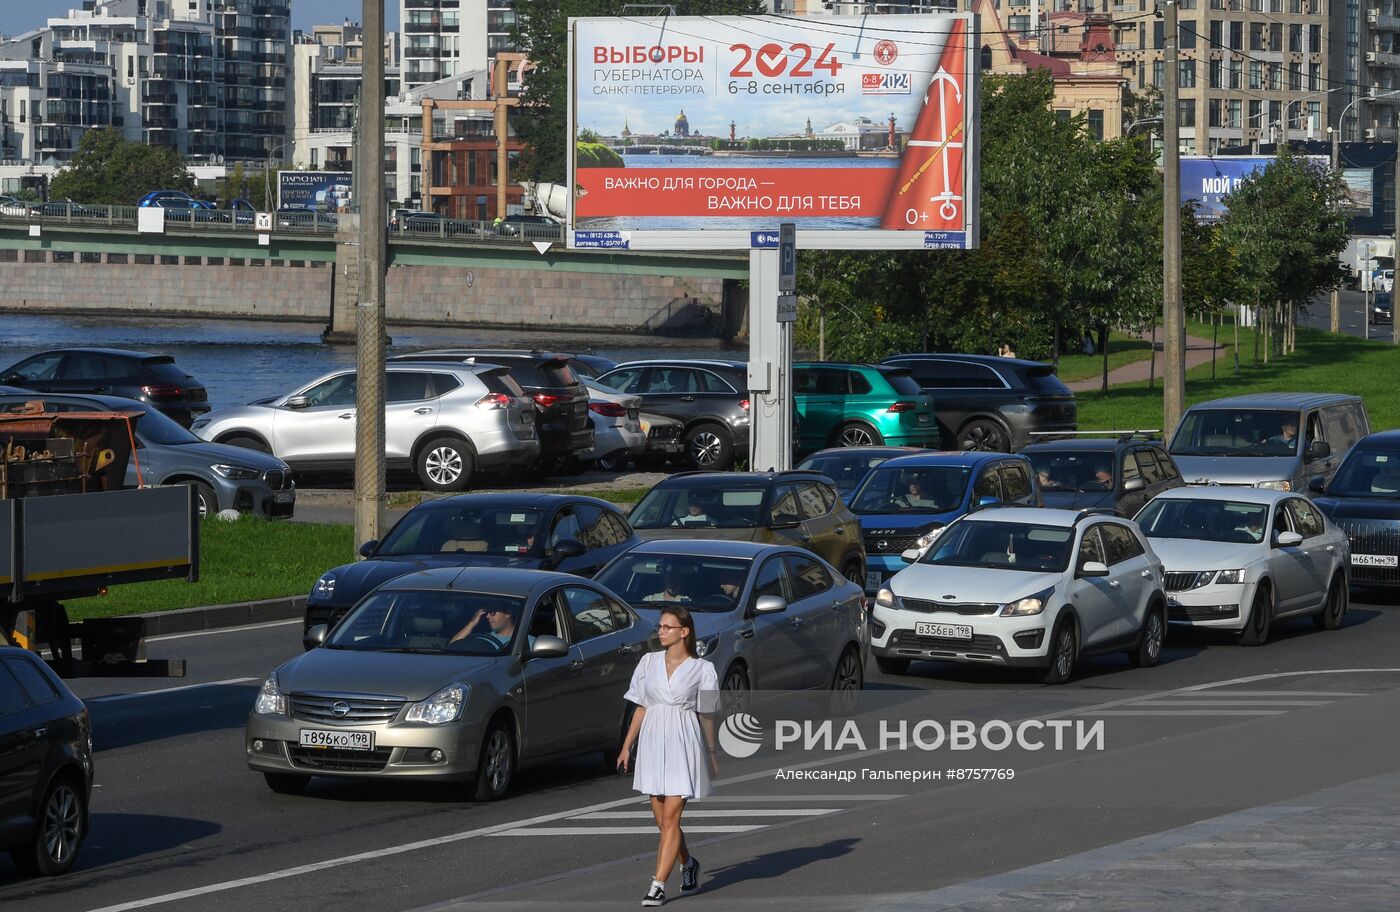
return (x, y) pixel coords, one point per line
(239, 562)
(1323, 363)
(1121, 350)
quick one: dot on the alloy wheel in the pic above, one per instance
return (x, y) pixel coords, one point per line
(1064, 652)
(498, 760)
(1154, 637)
(856, 436)
(62, 824)
(706, 447)
(847, 674)
(443, 465)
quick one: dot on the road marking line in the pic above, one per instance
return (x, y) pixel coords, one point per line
(1206, 703)
(691, 812)
(763, 798)
(205, 633)
(1190, 712)
(155, 693)
(401, 849)
(624, 830)
(1277, 693)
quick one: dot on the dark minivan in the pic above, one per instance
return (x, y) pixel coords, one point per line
(45, 765)
(984, 402)
(548, 379)
(155, 379)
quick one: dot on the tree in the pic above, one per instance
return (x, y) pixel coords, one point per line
(1286, 226)
(108, 169)
(541, 30)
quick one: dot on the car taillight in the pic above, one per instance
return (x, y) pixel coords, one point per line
(744, 404)
(903, 405)
(546, 400)
(607, 409)
(162, 392)
(494, 401)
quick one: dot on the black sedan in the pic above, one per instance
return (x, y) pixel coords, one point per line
(154, 379)
(45, 766)
(1363, 499)
(561, 532)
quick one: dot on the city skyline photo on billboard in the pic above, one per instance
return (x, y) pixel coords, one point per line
(710, 132)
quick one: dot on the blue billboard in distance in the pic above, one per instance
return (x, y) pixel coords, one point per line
(1208, 181)
(319, 191)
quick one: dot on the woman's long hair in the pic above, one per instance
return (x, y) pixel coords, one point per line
(683, 618)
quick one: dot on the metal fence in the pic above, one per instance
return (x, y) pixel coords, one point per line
(422, 226)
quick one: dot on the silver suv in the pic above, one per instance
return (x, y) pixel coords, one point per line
(443, 421)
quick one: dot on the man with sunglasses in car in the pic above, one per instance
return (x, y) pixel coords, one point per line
(500, 621)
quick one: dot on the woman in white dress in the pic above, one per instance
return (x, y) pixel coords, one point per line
(676, 693)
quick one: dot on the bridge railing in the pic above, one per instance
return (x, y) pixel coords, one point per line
(420, 227)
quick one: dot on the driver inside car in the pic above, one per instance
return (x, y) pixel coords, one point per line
(500, 626)
(670, 591)
(695, 515)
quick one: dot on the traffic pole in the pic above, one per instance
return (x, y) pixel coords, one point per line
(1335, 324)
(1173, 315)
(369, 312)
(1395, 254)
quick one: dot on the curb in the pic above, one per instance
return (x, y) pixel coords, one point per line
(214, 617)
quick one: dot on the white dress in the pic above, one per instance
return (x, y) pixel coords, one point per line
(672, 756)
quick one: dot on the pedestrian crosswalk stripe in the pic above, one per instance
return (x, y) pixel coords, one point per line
(624, 830)
(691, 813)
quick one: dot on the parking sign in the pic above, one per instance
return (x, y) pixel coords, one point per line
(787, 257)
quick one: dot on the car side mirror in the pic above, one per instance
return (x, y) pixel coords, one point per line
(1288, 539)
(548, 647)
(564, 549)
(1134, 484)
(1319, 449)
(367, 549)
(784, 521)
(911, 555)
(1093, 568)
(297, 402)
(769, 604)
(1317, 485)
(314, 637)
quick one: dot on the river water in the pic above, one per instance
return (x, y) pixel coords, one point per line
(242, 360)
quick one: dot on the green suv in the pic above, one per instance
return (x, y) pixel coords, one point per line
(797, 508)
(861, 405)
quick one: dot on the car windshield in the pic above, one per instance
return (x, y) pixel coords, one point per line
(912, 489)
(667, 580)
(1002, 546)
(1237, 432)
(1368, 473)
(430, 621)
(499, 531)
(1205, 520)
(846, 469)
(700, 506)
(1078, 470)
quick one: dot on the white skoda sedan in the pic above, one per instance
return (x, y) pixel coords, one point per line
(1239, 559)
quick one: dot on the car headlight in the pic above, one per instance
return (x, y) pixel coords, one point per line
(707, 646)
(886, 598)
(238, 473)
(271, 701)
(1229, 577)
(324, 588)
(1275, 485)
(928, 538)
(442, 707)
(1030, 605)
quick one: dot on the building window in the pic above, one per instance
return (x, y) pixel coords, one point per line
(1186, 108)
(1236, 35)
(1256, 36)
(1096, 123)
(1232, 113)
(1188, 35)
(1295, 78)
(1254, 115)
(1186, 74)
(1157, 66)
(1256, 80)
(1235, 74)
(1217, 74)
(1314, 76)
(1213, 113)
(1215, 33)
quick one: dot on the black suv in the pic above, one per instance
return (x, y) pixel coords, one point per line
(709, 398)
(1119, 475)
(155, 379)
(983, 402)
(548, 379)
(45, 765)
(564, 532)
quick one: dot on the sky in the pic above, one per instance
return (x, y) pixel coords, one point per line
(17, 16)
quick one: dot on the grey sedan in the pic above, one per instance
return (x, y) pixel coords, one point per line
(453, 675)
(224, 477)
(768, 617)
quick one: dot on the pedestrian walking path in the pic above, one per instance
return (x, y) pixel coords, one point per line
(1197, 352)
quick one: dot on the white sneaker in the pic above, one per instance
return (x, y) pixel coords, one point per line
(690, 875)
(655, 896)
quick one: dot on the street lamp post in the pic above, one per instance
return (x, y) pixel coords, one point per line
(267, 173)
(1335, 321)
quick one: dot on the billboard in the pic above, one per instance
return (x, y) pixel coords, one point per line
(320, 191)
(1208, 180)
(710, 132)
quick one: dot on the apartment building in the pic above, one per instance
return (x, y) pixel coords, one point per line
(445, 38)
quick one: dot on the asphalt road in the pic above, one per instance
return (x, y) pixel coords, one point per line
(1253, 734)
(1353, 308)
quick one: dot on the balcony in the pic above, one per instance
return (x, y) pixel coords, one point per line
(1382, 59)
(432, 25)
(1388, 23)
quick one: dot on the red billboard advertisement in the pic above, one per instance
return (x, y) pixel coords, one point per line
(708, 132)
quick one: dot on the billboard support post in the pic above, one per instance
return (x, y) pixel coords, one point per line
(1335, 304)
(1394, 257)
(770, 367)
